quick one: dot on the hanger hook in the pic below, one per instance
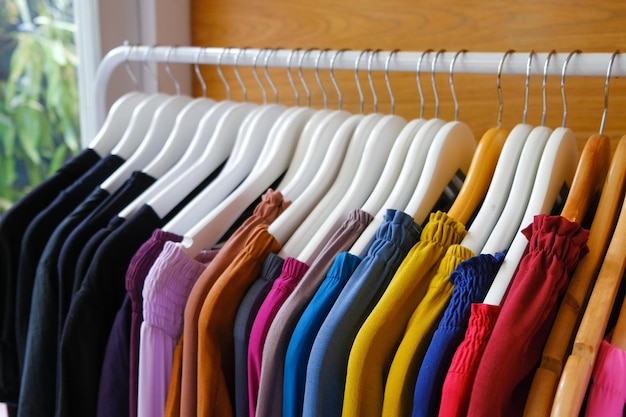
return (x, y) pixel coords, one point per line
(419, 81)
(356, 77)
(129, 70)
(244, 90)
(606, 90)
(221, 74)
(148, 67)
(256, 75)
(370, 80)
(196, 68)
(267, 75)
(499, 87)
(306, 87)
(544, 89)
(577, 51)
(317, 76)
(332, 77)
(456, 103)
(432, 80)
(392, 99)
(169, 71)
(528, 65)
(293, 85)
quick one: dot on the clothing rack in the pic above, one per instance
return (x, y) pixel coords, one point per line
(594, 64)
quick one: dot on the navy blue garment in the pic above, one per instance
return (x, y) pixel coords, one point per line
(305, 331)
(13, 225)
(136, 184)
(37, 235)
(472, 279)
(113, 398)
(328, 362)
(248, 308)
(91, 315)
(38, 385)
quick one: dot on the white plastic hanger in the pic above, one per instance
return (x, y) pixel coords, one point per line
(270, 165)
(284, 226)
(161, 125)
(422, 132)
(510, 220)
(556, 169)
(117, 119)
(378, 147)
(184, 140)
(498, 191)
(314, 143)
(450, 152)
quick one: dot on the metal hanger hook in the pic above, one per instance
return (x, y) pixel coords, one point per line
(419, 81)
(577, 51)
(499, 87)
(392, 99)
(544, 89)
(244, 90)
(356, 77)
(432, 80)
(169, 71)
(293, 85)
(256, 75)
(129, 70)
(451, 81)
(332, 78)
(527, 85)
(317, 76)
(221, 74)
(196, 69)
(304, 84)
(606, 89)
(146, 64)
(370, 79)
(267, 75)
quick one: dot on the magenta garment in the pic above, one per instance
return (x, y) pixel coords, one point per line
(457, 387)
(135, 277)
(165, 294)
(513, 351)
(607, 394)
(292, 273)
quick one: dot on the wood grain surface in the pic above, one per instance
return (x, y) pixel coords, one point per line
(492, 25)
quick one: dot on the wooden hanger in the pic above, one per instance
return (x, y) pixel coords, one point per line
(577, 371)
(592, 165)
(619, 333)
(481, 168)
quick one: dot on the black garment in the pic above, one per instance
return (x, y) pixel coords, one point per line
(113, 399)
(37, 234)
(248, 308)
(37, 392)
(71, 249)
(13, 225)
(92, 313)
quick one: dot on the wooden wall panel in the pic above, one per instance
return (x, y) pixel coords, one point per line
(492, 25)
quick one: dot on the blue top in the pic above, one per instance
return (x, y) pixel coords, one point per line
(305, 331)
(326, 369)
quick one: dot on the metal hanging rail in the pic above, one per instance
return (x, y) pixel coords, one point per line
(583, 64)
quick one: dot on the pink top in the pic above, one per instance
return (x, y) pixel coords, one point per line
(293, 271)
(165, 293)
(607, 394)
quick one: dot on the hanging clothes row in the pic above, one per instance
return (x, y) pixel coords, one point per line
(224, 258)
